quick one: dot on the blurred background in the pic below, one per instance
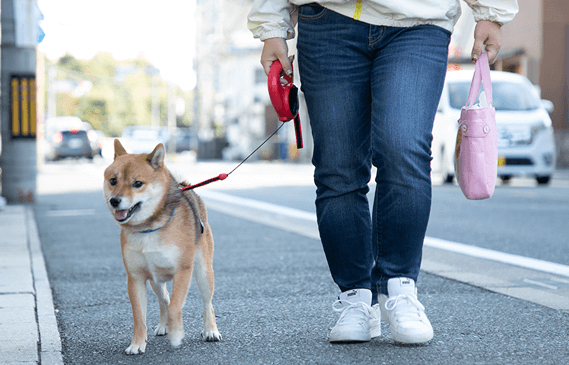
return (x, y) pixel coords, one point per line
(187, 73)
(116, 64)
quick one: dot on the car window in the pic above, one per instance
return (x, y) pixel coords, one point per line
(506, 96)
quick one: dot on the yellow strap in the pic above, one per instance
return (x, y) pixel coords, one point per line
(358, 11)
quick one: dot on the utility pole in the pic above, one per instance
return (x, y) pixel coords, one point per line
(18, 102)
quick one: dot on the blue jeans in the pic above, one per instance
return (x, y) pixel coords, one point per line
(372, 94)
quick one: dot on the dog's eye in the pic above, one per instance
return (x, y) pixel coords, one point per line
(137, 184)
(113, 181)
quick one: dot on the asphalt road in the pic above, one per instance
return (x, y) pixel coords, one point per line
(532, 222)
(521, 218)
(274, 292)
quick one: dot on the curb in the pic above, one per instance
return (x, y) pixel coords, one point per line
(49, 339)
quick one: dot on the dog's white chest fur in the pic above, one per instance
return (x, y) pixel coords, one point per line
(148, 253)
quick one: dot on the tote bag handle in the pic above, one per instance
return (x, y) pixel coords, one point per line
(481, 75)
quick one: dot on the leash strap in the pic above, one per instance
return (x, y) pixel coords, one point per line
(285, 102)
(224, 176)
(208, 181)
(298, 132)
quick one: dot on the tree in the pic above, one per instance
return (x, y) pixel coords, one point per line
(121, 92)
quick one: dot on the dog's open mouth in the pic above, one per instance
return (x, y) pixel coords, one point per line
(125, 214)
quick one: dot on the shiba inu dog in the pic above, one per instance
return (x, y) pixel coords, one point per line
(165, 236)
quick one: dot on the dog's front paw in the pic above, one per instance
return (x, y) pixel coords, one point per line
(176, 337)
(211, 335)
(160, 330)
(135, 349)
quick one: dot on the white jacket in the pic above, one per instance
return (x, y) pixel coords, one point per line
(276, 18)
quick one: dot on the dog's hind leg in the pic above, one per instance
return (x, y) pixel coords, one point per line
(180, 288)
(164, 301)
(203, 270)
(137, 296)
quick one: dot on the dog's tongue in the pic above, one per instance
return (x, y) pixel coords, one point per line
(120, 214)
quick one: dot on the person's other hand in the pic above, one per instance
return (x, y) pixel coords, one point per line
(276, 49)
(487, 36)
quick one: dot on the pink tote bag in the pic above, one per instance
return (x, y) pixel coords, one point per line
(476, 153)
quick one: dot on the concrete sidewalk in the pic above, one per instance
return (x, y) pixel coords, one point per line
(28, 327)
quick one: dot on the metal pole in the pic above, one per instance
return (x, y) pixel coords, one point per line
(18, 160)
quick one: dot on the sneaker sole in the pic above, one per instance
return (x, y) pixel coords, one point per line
(356, 337)
(421, 338)
(349, 337)
(349, 340)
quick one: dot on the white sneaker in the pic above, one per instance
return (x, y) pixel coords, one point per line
(405, 315)
(358, 322)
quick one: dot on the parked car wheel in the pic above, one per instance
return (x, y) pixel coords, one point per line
(543, 180)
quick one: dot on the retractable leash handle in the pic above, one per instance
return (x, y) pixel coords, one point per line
(285, 99)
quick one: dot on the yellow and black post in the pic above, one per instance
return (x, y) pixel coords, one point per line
(23, 106)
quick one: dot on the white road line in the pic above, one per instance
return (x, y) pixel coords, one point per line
(559, 280)
(491, 255)
(538, 283)
(70, 213)
(468, 250)
(256, 204)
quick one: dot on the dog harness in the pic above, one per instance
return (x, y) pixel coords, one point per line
(169, 219)
(159, 228)
(195, 212)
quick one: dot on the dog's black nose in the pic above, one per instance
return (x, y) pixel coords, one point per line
(115, 202)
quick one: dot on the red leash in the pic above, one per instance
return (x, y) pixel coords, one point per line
(213, 179)
(285, 101)
(224, 176)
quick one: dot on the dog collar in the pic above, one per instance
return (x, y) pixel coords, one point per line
(159, 228)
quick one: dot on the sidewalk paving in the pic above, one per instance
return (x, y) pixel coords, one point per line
(28, 327)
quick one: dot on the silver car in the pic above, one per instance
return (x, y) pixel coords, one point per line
(526, 143)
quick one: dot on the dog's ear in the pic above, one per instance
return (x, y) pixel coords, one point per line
(156, 158)
(119, 149)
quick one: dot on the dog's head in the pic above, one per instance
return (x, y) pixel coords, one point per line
(135, 184)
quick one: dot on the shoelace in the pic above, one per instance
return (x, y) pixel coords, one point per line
(344, 307)
(409, 309)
